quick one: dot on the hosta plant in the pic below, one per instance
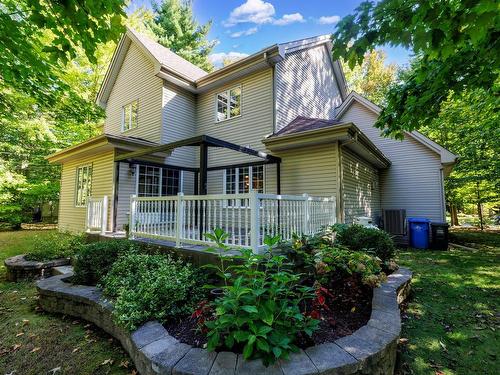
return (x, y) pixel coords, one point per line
(260, 309)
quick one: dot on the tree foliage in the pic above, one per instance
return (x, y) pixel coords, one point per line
(456, 44)
(373, 77)
(38, 37)
(468, 125)
(176, 28)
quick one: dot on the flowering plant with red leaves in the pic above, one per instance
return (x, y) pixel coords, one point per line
(202, 313)
(320, 303)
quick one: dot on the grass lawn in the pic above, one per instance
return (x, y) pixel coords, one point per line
(32, 342)
(452, 321)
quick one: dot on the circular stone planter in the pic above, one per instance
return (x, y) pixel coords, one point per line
(18, 268)
(369, 350)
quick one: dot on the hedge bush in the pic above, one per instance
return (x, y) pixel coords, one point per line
(370, 240)
(93, 261)
(146, 287)
(54, 246)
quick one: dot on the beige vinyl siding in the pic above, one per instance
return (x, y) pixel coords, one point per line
(136, 81)
(73, 218)
(126, 188)
(360, 187)
(179, 122)
(306, 86)
(255, 122)
(413, 181)
(311, 170)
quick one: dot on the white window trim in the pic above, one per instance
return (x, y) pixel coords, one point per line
(91, 166)
(123, 130)
(237, 179)
(137, 171)
(228, 95)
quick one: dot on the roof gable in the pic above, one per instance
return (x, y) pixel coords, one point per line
(447, 157)
(161, 57)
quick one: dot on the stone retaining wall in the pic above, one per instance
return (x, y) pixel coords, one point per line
(369, 350)
(18, 268)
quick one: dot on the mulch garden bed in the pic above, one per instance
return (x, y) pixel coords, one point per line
(348, 309)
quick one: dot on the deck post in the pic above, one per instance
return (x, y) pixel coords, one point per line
(307, 214)
(104, 213)
(254, 221)
(133, 211)
(179, 217)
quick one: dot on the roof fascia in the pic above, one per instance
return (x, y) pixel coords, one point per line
(446, 156)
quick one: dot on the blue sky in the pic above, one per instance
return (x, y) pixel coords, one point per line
(243, 27)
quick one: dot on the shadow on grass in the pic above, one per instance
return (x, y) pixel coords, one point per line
(451, 321)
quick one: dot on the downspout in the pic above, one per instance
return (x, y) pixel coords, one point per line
(115, 195)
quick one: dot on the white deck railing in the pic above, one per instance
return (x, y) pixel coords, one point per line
(97, 214)
(247, 218)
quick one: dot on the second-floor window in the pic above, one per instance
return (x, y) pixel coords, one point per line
(130, 115)
(228, 104)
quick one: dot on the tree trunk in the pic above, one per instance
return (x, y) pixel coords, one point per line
(479, 206)
(454, 215)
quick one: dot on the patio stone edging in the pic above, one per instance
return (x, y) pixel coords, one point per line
(19, 268)
(369, 350)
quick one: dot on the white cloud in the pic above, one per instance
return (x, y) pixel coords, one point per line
(250, 31)
(328, 20)
(254, 11)
(219, 58)
(287, 19)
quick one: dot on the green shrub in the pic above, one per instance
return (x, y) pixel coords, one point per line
(332, 261)
(93, 261)
(146, 287)
(259, 310)
(55, 245)
(370, 240)
(318, 258)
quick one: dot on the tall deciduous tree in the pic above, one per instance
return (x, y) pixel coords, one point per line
(373, 77)
(37, 37)
(176, 28)
(456, 43)
(468, 125)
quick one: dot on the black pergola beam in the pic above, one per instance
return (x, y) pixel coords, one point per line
(198, 141)
(161, 165)
(215, 142)
(193, 141)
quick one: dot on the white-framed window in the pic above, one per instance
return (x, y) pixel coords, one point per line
(243, 180)
(130, 113)
(83, 185)
(228, 104)
(156, 181)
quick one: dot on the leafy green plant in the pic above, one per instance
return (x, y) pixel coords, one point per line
(146, 287)
(259, 311)
(370, 240)
(55, 245)
(93, 261)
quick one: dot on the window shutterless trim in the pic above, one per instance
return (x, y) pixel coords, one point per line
(228, 92)
(89, 188)
(123, 130)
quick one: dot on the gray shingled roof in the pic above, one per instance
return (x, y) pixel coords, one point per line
(302, 124)
(169, 59)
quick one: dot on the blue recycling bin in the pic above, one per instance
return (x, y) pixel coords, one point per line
(418, 229)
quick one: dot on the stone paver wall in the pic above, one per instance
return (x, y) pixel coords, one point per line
(369, 350)
(18, 268)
